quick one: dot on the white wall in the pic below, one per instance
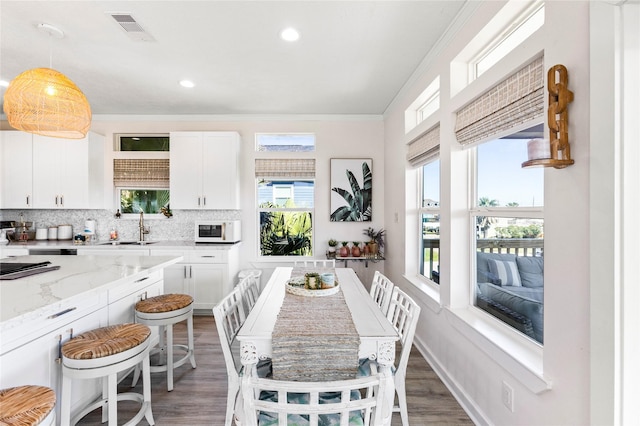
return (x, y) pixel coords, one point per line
(469, 364)
(336, 137)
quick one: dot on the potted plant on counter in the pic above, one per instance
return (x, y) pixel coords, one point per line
(376, 240)
(344, 250)
(331, 253)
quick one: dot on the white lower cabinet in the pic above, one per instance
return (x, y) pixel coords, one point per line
(39, 361)
(123, 299)
(205, 275)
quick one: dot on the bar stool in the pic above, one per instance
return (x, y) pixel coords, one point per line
(164, 311)
(27, 405)
(102, 353)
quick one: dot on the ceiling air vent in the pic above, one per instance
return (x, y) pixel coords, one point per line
(130, 26)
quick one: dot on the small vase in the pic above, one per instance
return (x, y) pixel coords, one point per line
(373, 248)
(355, 251)
(344, 251)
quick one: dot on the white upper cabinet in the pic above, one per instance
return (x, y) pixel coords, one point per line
(204, 170)
(16, 177)
(52, 172)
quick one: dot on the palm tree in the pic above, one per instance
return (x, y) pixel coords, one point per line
(484, 222)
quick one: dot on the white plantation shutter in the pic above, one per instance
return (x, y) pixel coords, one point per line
(291, 168)
(517, 99)
(425, 147)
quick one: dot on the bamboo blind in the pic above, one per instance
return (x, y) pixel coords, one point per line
(149, 173)
(517, 99)
(425, 147)
(304, 168)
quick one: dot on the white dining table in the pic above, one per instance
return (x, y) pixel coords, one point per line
(377, 335)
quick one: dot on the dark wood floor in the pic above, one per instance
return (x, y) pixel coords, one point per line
(199, 396)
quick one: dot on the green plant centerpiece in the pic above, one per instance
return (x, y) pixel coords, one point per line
(331, 253)
(312, 281)
(376, 240)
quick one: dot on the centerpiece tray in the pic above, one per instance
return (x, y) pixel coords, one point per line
(296, 286)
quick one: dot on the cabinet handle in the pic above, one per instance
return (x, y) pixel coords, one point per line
(27, 200)
(190, 271)
(66, 311)
(210, 256)
(198, 201)
(61, 200)
(59, 359)
(56, 200)
(204, 201)
(141, 279)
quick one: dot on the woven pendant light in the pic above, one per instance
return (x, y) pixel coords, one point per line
(45, 102)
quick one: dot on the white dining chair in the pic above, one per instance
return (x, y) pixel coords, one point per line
(229, 316)
(249, 291)
(340, 402)
(403, 314)
(381, 289)
(315, 263)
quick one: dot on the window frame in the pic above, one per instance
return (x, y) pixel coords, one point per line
(421, 211)
(259, 209)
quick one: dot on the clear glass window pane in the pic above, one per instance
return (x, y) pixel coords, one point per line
(287, 142)
(287, 194)
(510, 273)
(145, 200)
(501, 179)
(144, 143)
(431, 184)
(430, 247)
(285, 233)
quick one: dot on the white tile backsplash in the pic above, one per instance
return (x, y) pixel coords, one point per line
(180, 227)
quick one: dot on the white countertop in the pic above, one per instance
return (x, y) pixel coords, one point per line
(79, 278)
(69, 244)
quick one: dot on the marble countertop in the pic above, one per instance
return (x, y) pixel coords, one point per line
(79, 278)
(69, 244)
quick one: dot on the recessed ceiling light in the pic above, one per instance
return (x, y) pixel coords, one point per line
(187, 83)
(4, 83)
(289, 34)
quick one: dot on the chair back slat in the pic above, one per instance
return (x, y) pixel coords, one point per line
(341, 398)
(249, 291)
(403, 315)
(315, 263)
(381, 289)
(229, 316)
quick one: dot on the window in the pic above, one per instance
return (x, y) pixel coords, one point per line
(142, 142)
(429, 262)
(286, 212)
(508, 215)
(285, 142)
(517, 32)
(424, 106)
(149, 201)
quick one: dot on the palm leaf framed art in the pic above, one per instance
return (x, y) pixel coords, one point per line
(351, 189)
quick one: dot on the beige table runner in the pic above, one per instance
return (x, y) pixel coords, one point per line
(314, 338)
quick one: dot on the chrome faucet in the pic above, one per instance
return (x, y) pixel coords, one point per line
(143, 230)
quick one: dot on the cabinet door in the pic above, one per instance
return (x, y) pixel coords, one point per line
(176, 279)
(74, 175)
(208, 284)
(47, 162)
(186, 170)
(123, 310)
(220, 172)
(37, 362)
(17, 167)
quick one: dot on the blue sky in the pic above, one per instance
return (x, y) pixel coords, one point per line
(500, 175)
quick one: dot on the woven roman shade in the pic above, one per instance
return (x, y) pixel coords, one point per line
(517, 99)
(147, 173)
(300, 168)
(425, 147)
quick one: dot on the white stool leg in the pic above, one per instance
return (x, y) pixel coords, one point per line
(192, 357)
(162, 344)
(105, 399)
(113, 399)
(169, 328)
(146, 389)
(65, 401)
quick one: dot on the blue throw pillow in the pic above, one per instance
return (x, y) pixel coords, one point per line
(506, 271)
(531, 269)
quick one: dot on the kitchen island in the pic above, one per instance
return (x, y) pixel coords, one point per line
(39, 313)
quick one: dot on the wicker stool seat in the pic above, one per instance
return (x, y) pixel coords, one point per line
(164, 311)
(27, 405)
(103, 353)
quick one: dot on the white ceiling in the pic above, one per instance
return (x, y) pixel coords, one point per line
(353, 57)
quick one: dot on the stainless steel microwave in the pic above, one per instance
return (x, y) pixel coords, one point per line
(217, 231)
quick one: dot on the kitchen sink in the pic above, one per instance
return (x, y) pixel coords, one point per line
(127, 243)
